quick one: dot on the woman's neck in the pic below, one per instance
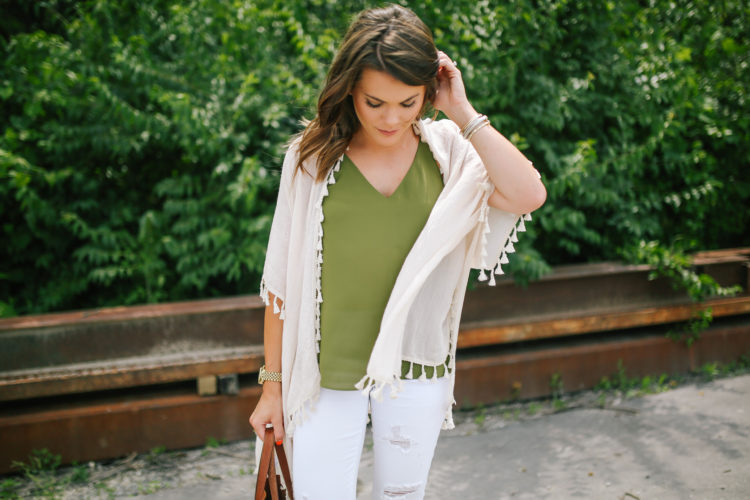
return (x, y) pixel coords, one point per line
(361, 142)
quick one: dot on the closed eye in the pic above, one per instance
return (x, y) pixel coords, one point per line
(377, 105)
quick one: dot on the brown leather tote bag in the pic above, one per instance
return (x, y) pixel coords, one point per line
(269, 486)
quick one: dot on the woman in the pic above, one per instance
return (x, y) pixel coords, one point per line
(380, 217)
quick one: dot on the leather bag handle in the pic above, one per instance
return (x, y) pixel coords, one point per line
(267, 469)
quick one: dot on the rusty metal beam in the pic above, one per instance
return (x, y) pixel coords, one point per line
(116, 374)
(109, 430)
(590, 287)
(97, 430)
(143, 345)
(475, 335)
(110, 348)
(46, 341)
(111, 374)
(493, 378)
(126, 313)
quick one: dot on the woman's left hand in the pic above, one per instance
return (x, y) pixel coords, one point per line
(451, 93)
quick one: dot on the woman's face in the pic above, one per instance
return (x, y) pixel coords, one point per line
(386, 107)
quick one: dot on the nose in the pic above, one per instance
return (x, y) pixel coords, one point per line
(392, 118)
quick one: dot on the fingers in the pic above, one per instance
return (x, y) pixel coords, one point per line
(278, 430)
(259, 426)
(446, 62)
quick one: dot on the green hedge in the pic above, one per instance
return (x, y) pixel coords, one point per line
(141, 140)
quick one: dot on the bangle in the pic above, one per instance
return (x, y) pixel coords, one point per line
(470, 123)
(473, 126)
(264, 375)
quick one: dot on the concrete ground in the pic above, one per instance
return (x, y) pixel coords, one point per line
(692, 442)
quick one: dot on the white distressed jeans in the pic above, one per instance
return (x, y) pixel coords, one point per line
(327, 446)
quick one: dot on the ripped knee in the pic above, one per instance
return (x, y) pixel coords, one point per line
(401, 492)
(396, 439)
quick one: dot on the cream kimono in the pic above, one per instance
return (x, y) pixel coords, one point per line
(421, 318)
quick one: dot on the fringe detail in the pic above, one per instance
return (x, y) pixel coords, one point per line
(448, 423)
(497, 268)
(264, 296)
(484, 217)
(364, 384)
(331, 179)
(410, 373)
(368, 386)
(264, 291)
(299, 415)
(377, 392)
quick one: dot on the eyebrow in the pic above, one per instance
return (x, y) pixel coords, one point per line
(402, 102)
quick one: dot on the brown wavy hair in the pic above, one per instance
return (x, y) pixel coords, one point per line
(391, 39)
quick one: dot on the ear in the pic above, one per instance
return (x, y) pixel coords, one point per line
(430, 94)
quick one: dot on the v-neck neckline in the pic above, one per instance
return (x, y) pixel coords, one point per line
(403, 179)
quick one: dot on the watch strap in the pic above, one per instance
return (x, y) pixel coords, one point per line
(265, 375)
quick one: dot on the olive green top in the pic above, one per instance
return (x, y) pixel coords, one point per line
(366, 237)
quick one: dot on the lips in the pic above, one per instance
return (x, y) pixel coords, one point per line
(387, 132)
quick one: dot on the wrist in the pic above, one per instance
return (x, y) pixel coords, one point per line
(463, 115)
(272, 388)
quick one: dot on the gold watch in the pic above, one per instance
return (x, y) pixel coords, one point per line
(264, 375)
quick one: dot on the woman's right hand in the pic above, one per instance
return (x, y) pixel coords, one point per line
(269, 410)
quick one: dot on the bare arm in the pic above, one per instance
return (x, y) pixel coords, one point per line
(518, 188)
(269, 407)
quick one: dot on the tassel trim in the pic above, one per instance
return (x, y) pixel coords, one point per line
(368, 386)
(265, 297)
(508, 247)
(299, 415)
(318, 297)
(448, 423)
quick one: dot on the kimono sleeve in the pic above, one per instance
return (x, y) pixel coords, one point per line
(497, 230)
(274, 278)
